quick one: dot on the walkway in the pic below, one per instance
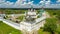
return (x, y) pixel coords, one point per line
(10, 23)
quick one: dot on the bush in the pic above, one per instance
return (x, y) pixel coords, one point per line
(50, 25)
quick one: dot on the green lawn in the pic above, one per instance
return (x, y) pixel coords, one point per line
(40, 31)
(21, 17)
(58, 29)
(6, 29)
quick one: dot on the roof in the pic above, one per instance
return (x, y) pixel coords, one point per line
(31, 13)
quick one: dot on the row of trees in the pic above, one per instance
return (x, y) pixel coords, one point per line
(55, 13)
(50, 25)
(13, 11)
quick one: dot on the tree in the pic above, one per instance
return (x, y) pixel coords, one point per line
(58, 15)
(50, 25)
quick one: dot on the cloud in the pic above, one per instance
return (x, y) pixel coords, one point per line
(49, 5)
(48, 2)
(5, 4)
(41, 2)
(2, 1)
(58, 0)
(30, 2)
(53, 6)
(18, 3)
(45, 2)
(24, 4)
(24, 0)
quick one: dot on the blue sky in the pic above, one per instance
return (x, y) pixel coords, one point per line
(12, 0)
(24, 3)
(35, 1)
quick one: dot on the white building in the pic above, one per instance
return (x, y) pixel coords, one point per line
(32, 26)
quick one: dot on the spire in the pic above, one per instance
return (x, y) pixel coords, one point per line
(43, 3)
(32, 8)
(42, 8)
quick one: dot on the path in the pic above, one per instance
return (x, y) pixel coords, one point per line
(10, 23)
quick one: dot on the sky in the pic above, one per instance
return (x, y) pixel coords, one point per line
(28, 3)
(35, 1)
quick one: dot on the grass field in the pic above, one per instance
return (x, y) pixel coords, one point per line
(6, 29)
(40, 31)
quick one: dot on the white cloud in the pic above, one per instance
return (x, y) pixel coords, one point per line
(6, 4)
(31, 2)
(48, 2)
(23, 0)
(24, 4)
(53, 6)
(20, 4)
(2, 1)
(58, 0)
(41, 2)
(45, 2)
(48, 5)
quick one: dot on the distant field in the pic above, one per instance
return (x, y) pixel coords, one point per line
(10, 11)
(6, 29)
